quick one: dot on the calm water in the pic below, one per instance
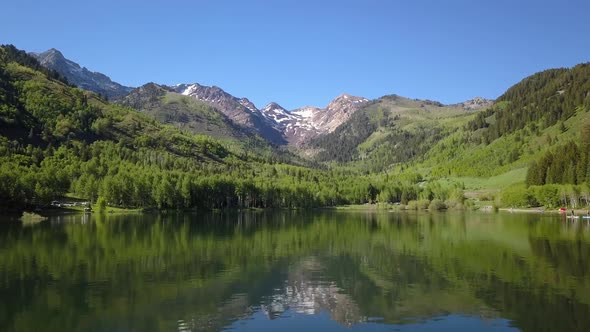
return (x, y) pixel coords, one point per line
(295, 271)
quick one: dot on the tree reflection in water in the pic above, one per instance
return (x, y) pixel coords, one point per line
(206, 271)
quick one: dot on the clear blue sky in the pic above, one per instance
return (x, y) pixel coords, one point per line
(307, 52)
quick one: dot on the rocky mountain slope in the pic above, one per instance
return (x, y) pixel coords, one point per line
(476, 104)
(273, 121)
(80, 76)
(306, 123)
(212, 111)
(389, 130)
(184, 112)
(239, 110)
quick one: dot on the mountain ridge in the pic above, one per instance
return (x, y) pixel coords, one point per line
(81, 76)
(184, 112)
(239, 110)
(274, 123)
(392, 149)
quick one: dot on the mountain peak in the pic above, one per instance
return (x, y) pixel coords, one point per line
(276, 113)
(239, 110)
(273, 106)
(80, 76)
(51, 57)
(53, 52)
(346, 101)
(343, 96)
(477, 103)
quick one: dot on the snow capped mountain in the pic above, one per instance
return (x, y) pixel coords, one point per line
(240, 110)
(295, 128)
(273, 121)
(338, 111)
(314, 121)
(276, 113)
(307, 112)
(303, 124)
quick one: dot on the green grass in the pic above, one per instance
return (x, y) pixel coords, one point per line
(377, 137)
(361, 207)
(497, 182)
(109, 209)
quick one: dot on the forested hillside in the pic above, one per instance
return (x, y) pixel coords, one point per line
(180, 111)
(535, 137)
(57, 140)
(390, 130)
(545, 110)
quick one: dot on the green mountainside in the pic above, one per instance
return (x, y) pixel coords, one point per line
(57, 140)
(181, 111)
(193, 116)
(540, 113)
(159, 149)
(533, 143)
(542, 123)
(390, 130)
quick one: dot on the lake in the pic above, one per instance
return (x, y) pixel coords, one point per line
(296, 271)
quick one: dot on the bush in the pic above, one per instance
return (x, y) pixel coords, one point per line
(453, 204)
(547, 195)
(457, 195)
(423, 204)
(412, 205)
(517, 196)
(101, 204)
(470, 205)
(486, 196)
(436, 205)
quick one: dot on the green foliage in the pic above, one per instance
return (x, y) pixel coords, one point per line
(547, 195)
(74, 142)
(9, 53)
(566, 164)
(388, 131)
(423, 204)
(58, 139)
(432, 263)
(412, 205)
(184, 112)
(436, 205)
(341, 144)
(534, 116)
(101, 204)
(517, 196)
(545, 98)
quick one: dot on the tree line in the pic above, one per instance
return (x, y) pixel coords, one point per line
(545, 98)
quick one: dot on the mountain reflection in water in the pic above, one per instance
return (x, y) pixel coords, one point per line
(296, 270)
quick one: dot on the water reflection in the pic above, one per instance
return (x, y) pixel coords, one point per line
(281, 270)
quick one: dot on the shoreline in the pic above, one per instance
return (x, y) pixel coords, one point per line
(577, 212)
(352, 207)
